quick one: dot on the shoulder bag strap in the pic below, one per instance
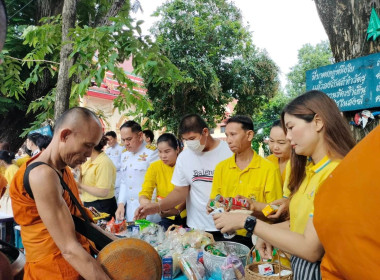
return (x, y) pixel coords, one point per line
(83, 227)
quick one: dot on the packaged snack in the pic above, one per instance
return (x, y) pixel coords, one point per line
(102, 224)
(143, 223)
(167, 268)
(265, 269)
(191, 269)
(116, 226)
(229, 203)
(270, 209)
(186, 269)
(232, 268)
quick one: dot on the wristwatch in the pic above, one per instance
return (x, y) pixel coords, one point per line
(249, 225)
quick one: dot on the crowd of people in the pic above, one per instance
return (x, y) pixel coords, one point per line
(169, 184)
(10, 163)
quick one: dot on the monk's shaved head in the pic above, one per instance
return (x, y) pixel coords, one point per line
(3, 24)
(76, 133)
(76, 117)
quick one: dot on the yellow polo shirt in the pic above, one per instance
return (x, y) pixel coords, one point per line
(22, 160)
(302, 202)
(10, 172)
(100, 173)
(260, 179)
(272, 158)
(159, 176)
(285, 189)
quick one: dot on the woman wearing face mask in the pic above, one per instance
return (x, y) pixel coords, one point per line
(159, 175)
(320, 138)
(280, 147)
(6, 161)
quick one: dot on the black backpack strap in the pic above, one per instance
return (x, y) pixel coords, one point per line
(26, 177)
(83, 227)
(87, 229)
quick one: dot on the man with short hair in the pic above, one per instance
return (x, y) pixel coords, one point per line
(246, 173)
(148, 136)
(193, 174)
(53, 249)
(134, 164)
(114, 152)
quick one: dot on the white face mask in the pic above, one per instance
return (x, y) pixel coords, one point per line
(195, 145)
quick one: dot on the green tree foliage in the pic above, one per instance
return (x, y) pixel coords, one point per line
(207, 41)
(28, 76)
(309, 57)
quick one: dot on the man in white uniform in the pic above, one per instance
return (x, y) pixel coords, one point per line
(193, 174)
(134, 164)
(114, 152)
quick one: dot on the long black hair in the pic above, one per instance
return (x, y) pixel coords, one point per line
(338, 137)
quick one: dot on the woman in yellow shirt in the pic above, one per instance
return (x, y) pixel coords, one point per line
(6, 161)
(280, 148)
(97, 183)
(281, 151)
(320, 138)
(159, 175)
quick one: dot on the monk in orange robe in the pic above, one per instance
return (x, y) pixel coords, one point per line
(3, 185)
(346, 215)
(53, 249)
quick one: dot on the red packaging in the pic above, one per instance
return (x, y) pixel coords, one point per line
(114, 227)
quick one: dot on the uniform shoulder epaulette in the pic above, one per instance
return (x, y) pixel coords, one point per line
(121, 145)
(151, 147)
(124, 150)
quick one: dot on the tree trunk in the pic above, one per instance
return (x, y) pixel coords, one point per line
(48, 8)
(346, 23)
(15, 121)
(62, 98)
(112, 12)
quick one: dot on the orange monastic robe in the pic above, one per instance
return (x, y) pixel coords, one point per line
(43, 258)
(347, 215)
(3, 185)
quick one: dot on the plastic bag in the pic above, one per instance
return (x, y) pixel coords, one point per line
(232, 268)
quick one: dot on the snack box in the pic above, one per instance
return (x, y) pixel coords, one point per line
(266, 269)
(167, 268)
(270, 209)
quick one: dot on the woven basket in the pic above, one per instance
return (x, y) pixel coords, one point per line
(252, 270)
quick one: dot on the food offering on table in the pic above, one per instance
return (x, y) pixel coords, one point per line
(183, 247)
(225, 260)
(270, 209)
(232, 268)
(178, 247)
(191, 266)
(115, 226)
(102, 224)
(97, 215)
(229, 204)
